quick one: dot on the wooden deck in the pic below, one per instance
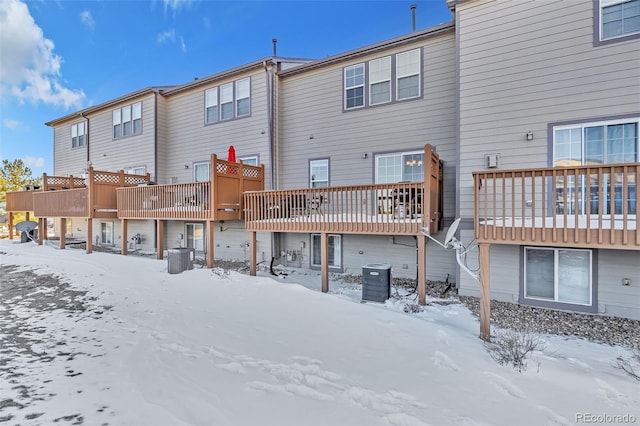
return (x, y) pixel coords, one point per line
(218, 199)
(390, 209)
(559, 207)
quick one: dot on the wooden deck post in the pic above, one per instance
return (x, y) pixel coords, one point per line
(160, 233)
(63, 232)
(26, 216)
(210, 243)
(125, 239)
(11, 225)
(42, 230)
(252, 253)
(485, 296)
(422, 270)
(324, 262)
(89, 235)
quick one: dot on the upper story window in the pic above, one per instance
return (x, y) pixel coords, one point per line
(380, 81)
(78, 134)
(228, 101)
(354, 86)
(400, 167)
(383, 80)
(319, 173)
(618, 19)
(127, 120)
(408, 74)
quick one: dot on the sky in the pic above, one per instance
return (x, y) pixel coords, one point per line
(213, 347)
(58, 57)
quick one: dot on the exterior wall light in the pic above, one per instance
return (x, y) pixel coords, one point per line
(529, 135)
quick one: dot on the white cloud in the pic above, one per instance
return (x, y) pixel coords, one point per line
(167, 36)
(30, 68)
(170, 36)
(87, 19)
(10, 124)
(33, 162)
(175, 5)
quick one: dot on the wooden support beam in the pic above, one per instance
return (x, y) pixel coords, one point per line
(210, 243)
(160, 233)
(26, 217)
(125, 238)
(422, 270)
(89, 235)
(252, 253)
(324, 262)
(42, 230)
(63, 232)
(11, 226)
(485, 295)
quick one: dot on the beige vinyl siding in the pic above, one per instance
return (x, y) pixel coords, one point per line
(534, 65)
(67, 160)
(311, 103)
(107, 153)
(189, 140)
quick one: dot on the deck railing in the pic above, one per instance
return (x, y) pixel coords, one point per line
(594, 205)
(21, 201)
(392, 209)
(217, 199)
(93, 196)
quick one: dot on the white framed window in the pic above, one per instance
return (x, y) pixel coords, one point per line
(595, 143)
(558, 275)
(127, 121)
(211, 105)
(201, 171)
(383, 80)
(408, 74)
(243, 100)
(228, 101)
(195, 236)
(399, 167)
(137, 170)
(78, 134)
(380, 81)
(319, 173)
(335, 250)
(618, 18)
(354, 86)
(250, 160)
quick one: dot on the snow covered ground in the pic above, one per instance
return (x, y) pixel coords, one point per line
(207, 347)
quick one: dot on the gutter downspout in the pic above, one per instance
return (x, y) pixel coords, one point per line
(273, 148)
(82, 114)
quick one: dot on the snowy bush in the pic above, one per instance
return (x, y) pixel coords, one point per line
(630, 366)
(514, 347)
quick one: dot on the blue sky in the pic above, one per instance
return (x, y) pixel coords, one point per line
(58, 57)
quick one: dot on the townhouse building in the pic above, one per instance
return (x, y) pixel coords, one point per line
(519, 118)
(548, 117)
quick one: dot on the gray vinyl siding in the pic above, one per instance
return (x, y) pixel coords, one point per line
(67, 160)
(311, 103)
(107, 153)
(613, 297)
(162, 141)
(535, 64)
(359, 250)
(612, 266)
(190, 140)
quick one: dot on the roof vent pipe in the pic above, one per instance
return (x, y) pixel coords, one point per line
(413, 18)
(275, 42)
